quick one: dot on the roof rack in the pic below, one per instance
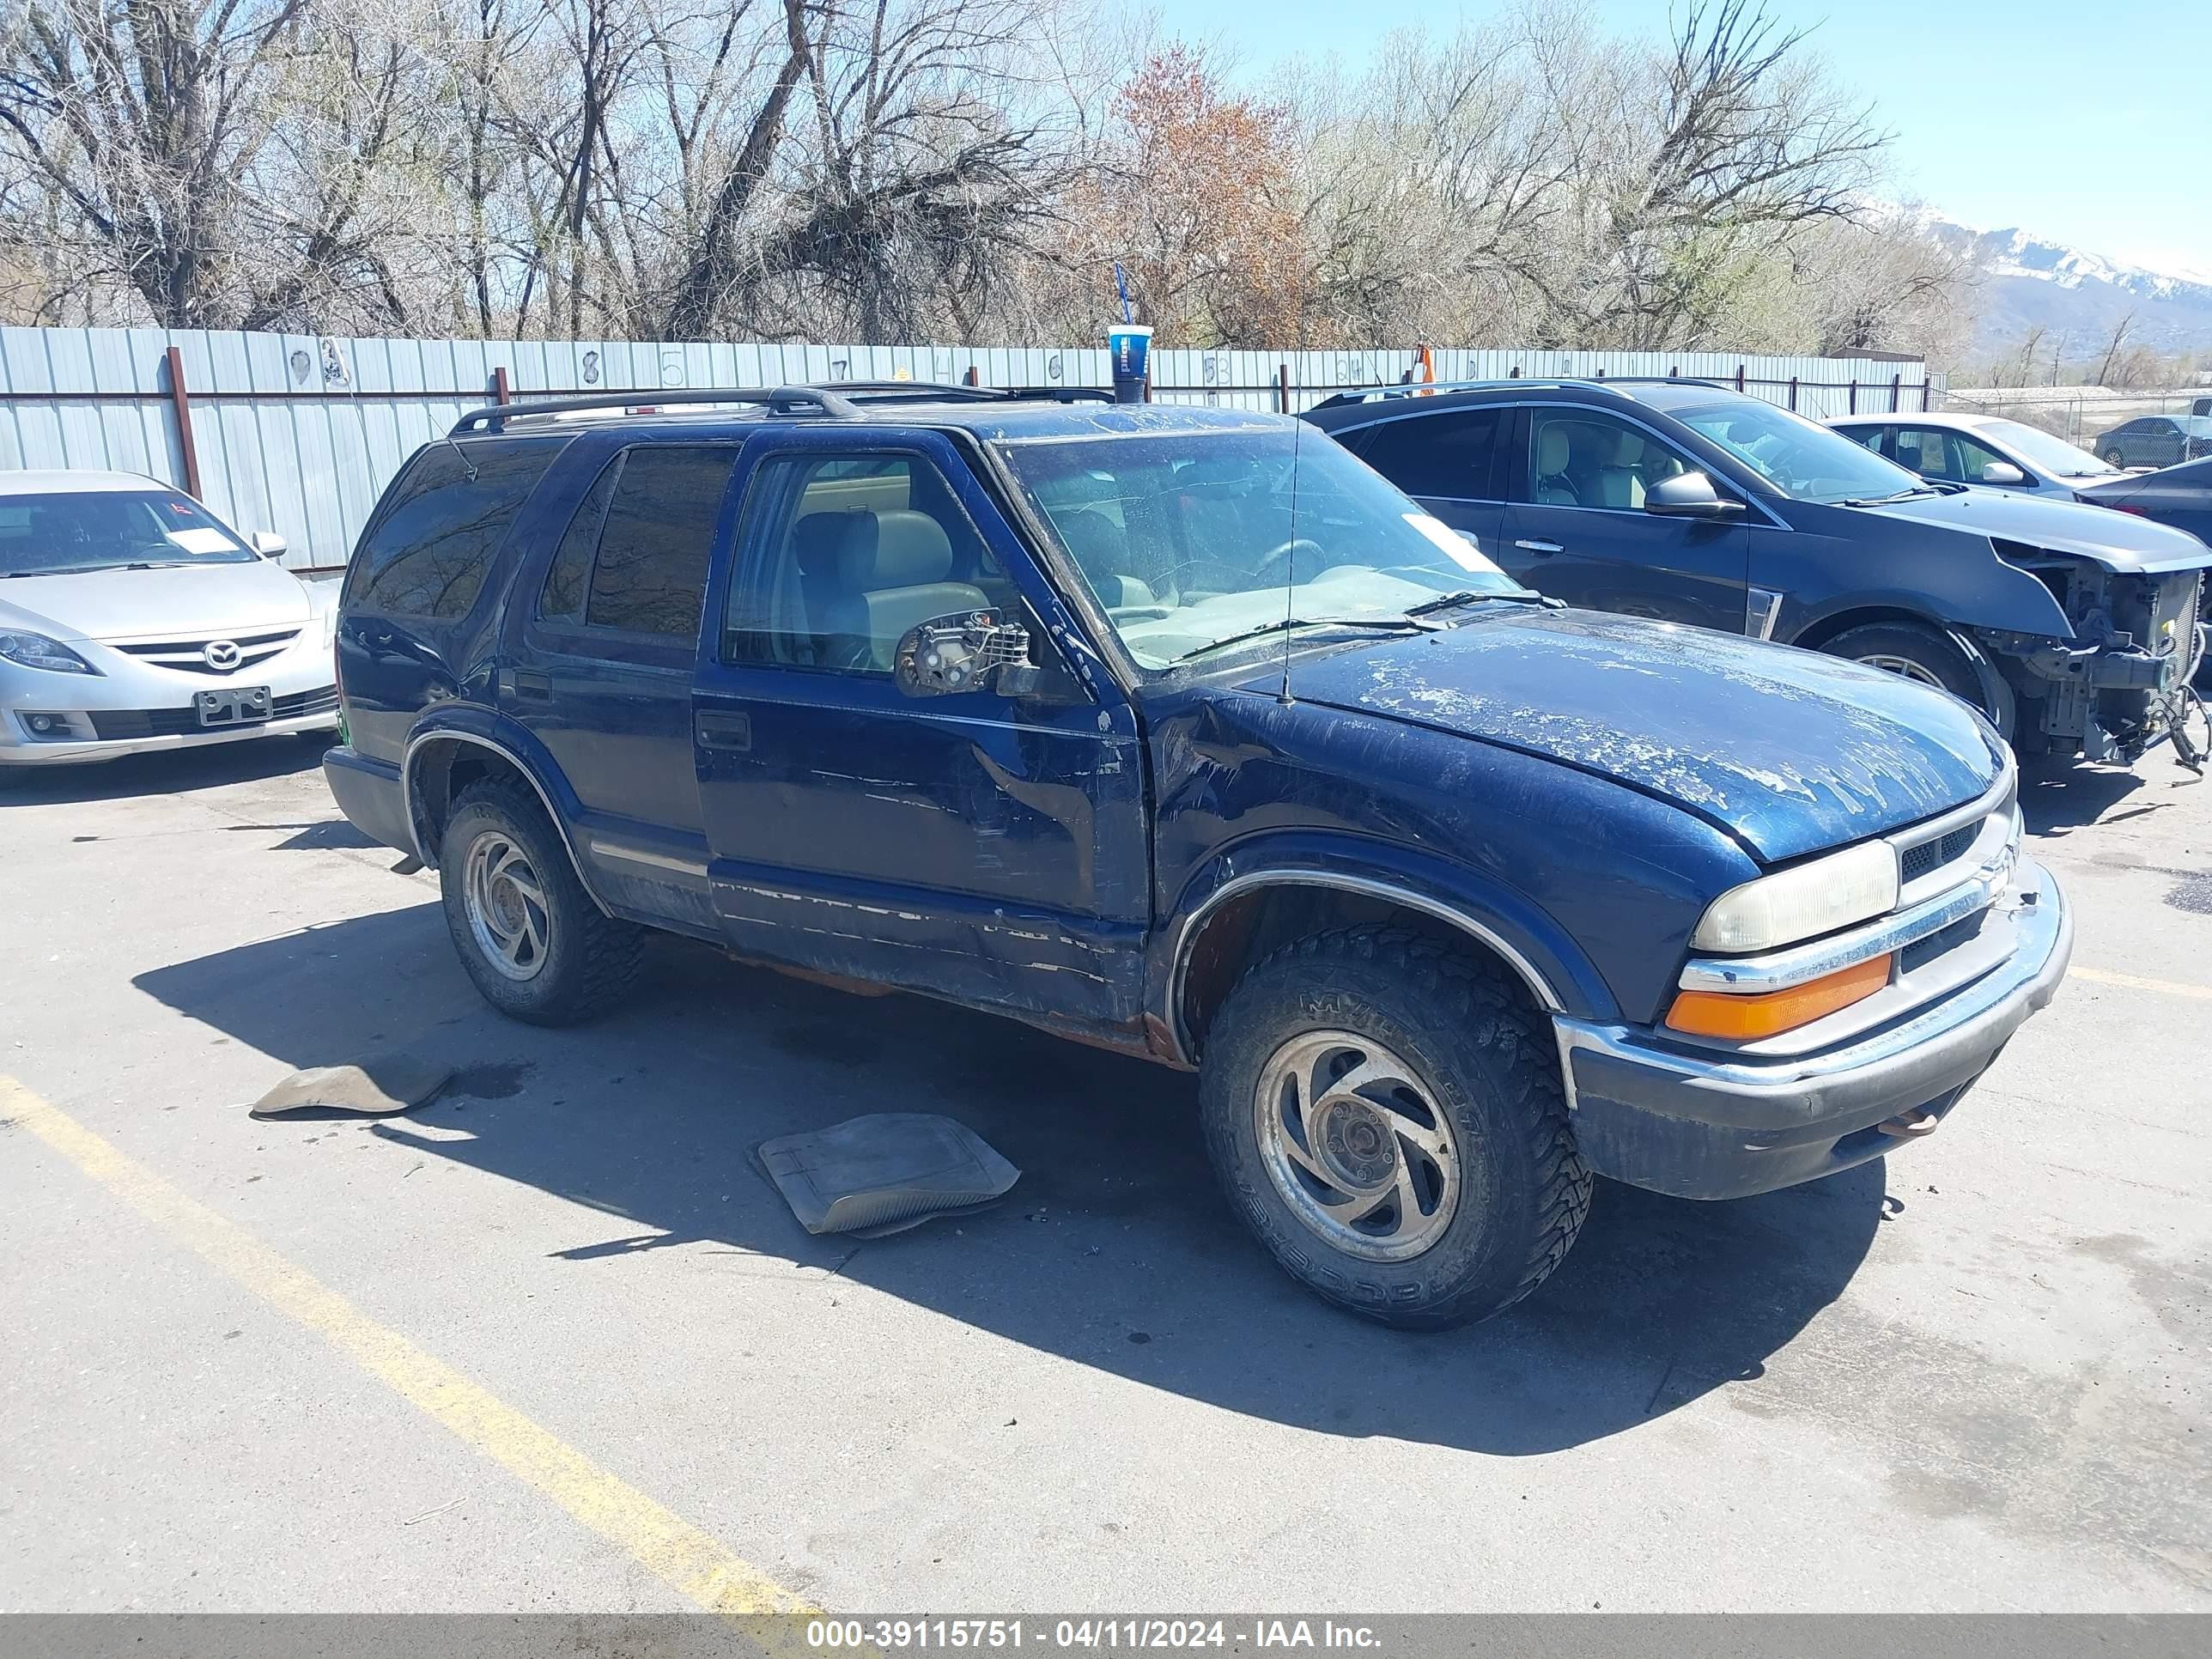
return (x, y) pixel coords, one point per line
(839, 401)
(1418, 389)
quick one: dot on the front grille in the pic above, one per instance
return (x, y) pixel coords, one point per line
(1931, 855)
(189, 656)
(116, 725)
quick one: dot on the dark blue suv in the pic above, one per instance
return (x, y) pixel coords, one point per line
(1182, 733)
(2073, 629)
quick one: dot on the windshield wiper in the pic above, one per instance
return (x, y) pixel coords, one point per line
(1407, 623)
(61, 570)
(1468, 596)
(1904, 494)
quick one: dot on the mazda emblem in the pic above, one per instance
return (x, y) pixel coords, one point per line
(221, 654)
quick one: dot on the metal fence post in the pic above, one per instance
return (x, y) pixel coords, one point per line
(180, 400)
(1852, 407)
(1793, 394)
(1739, 379)
(1897, 392)
(1282, 388)
(974, 376)
(500, 392)
(1923, 394)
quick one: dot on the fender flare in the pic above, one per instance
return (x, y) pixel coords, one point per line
(508, 748)
(1549, 963)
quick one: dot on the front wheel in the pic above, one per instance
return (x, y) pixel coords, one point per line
(2113, 458)
(1386, 1114)
(1913, 653)
(538, 947)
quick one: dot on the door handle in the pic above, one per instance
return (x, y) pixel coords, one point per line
(717, 729)
(1540, 547)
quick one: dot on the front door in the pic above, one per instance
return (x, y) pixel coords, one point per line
(1578, 530)
(991, 846)
(604, 681)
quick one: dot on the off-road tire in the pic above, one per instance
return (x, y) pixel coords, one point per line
(1922, 647)
(591, 957)
(1483, 1056)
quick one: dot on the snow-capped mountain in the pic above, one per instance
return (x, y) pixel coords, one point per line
(2078, 298)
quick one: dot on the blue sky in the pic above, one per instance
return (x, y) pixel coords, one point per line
(2086, 123)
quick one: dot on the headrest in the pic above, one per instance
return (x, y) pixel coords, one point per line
(1629, 450)
(1552, 452)
(903, 548)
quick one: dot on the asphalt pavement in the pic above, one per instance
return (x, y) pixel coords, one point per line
(552, 1343)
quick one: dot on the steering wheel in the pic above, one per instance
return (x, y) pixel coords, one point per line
(1287, 553)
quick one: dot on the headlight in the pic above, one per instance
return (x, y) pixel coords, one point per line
(37, 651)
(1801, 903)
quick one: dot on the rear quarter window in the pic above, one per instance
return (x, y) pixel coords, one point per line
(427, 552)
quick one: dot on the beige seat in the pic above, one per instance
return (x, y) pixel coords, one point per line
(1554, 456)
(891, 569)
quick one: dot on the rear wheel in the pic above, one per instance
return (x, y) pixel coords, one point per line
(536, 947)
(2113, 458)
(1915, 653)
(1386, 1115)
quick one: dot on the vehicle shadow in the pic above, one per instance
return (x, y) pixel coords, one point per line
(170, 771)
(2059, 797)
(1115, 1250)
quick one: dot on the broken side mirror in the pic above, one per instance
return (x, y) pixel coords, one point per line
(970, 651)
(1688, 495)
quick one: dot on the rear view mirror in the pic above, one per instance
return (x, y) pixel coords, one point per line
(269, 545)
(966, 652)
(2003, 472)
(1688, 495)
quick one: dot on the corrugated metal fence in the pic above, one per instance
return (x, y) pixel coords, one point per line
(299, 433)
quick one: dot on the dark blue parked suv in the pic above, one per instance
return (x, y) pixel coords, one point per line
(2072, 628)
(1183, 733)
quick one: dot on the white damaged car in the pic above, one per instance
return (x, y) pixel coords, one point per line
(133, 618)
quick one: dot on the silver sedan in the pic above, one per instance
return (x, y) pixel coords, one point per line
(133, 618)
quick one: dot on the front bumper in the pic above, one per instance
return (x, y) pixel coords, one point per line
(131, 706)
(1697, 1125)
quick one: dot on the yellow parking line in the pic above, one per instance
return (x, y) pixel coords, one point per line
(657, 1538)
(2136, 982)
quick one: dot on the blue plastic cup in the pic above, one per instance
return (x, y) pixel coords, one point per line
(1130, 346)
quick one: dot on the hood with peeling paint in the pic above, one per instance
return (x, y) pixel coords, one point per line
(1791, 751)
(2118, 541)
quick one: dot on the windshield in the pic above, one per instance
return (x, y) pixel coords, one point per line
(2045, 452)
(108, 529)
(1806, 462)
(1192, 540)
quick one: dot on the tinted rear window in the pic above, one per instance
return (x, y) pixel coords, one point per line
(1436, 455)
(651, 574)
(428, 551)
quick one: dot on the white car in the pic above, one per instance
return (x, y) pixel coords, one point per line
(133, 618)
(1987, 450)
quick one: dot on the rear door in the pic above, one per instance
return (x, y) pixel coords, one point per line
(1447, 461)
(1576, 530)
(604, 678)
(991, 845)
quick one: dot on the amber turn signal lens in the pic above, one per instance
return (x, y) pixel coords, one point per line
(1715, 1013)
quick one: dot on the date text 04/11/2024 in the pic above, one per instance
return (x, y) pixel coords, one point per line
(834, 1635)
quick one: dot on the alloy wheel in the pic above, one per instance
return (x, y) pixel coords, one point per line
(506, 905)
(1357, 1146)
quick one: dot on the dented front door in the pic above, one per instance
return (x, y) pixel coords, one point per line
(984, 846)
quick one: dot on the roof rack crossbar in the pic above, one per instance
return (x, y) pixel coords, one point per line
(839, 401)
(781, 400)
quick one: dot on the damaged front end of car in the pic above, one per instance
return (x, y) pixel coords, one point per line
(2118, 684)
